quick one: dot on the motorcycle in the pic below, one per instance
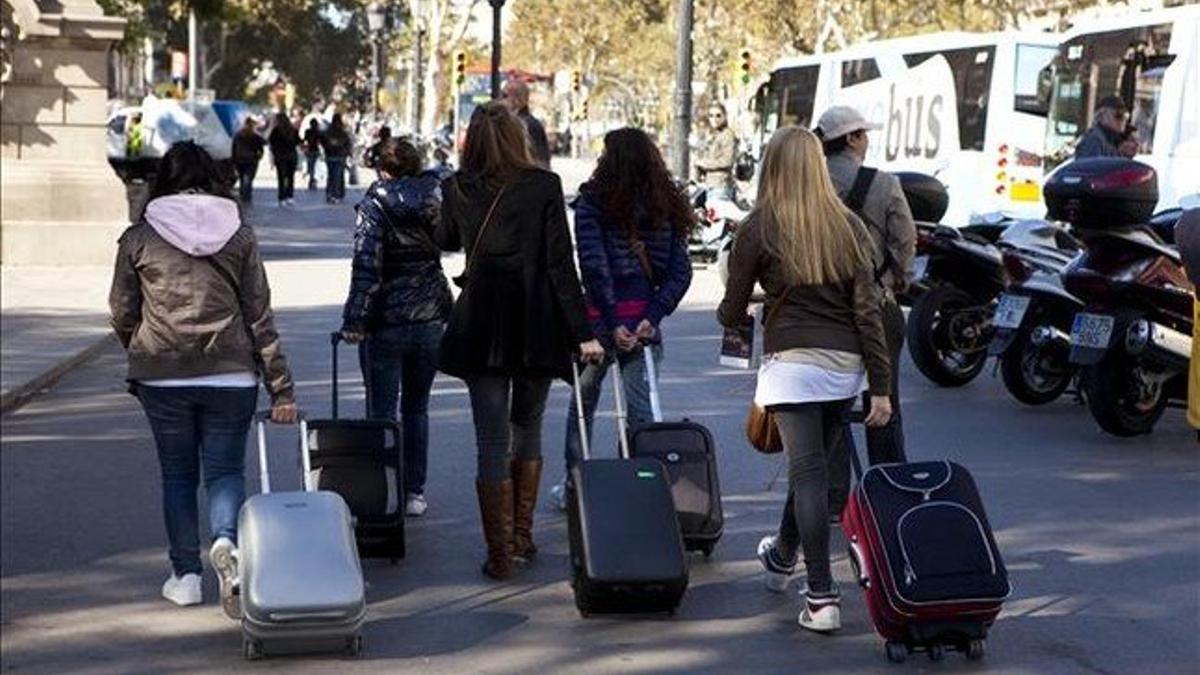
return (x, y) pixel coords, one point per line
(1033, 315)
(1133, 340)
(717, 222)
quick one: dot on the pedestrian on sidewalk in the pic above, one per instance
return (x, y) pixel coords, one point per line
(338, 146)
(631, 228)
(516, 96)
(877, 199)
(399, 302)
(247, 153)
(312, 151)
(823, 343)
(519, 318)
(191, 304)
(284, 140)
(718, 154)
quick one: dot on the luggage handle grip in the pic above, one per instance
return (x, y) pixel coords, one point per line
(264, 474)
(619, 404)
(335, 338)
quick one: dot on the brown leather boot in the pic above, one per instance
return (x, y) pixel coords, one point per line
(496, 512)
(526, 476)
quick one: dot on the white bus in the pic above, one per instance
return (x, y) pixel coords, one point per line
(961, 106)
(1152, 61)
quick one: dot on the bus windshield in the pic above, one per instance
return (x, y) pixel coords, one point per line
(1066, 117)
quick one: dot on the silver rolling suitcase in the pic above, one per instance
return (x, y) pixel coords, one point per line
(301, 581)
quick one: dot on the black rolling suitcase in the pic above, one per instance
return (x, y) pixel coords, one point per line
(687, 450)
(362, 461)
(626, 552)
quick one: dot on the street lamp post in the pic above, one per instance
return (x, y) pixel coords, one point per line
(418, 108)
(497, 5)
(375, 19)
(683, 92)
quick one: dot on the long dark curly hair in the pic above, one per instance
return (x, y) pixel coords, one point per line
(631, 182)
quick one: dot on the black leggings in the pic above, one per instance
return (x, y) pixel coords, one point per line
(508, 420)
(810, 431)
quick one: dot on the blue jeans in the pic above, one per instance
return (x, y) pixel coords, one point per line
(403, 362)
(199, 428)
(637, 396)
(335, 182)
(246, 172)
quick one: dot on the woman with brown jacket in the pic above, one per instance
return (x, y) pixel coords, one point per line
(823, 345)
(517, 323)
(191, 304)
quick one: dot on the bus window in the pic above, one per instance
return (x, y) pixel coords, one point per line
(858, 71)
(1147, 93)
(1033, 62)
(972, 69)
(793, 95)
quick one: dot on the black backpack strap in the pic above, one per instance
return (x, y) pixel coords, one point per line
(857, 196)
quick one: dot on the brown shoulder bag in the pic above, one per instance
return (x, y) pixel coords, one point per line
(761, 431)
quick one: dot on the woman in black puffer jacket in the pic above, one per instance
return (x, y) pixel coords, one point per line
(399, 301)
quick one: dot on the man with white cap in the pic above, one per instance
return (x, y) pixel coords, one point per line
(877, 198)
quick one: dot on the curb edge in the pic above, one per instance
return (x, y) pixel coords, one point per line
(35, 386)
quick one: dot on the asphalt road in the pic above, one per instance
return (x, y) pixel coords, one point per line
(1101, 535)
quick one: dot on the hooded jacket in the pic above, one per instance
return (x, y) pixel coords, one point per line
(190, 296)
(397, 278)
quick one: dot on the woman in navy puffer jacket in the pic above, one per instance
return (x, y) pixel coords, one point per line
(399, 301)
(631, 228)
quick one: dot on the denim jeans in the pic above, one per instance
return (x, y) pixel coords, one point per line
(311, 162)
(285, 178)
(508, 421)
(199, 428)
(335, 182)
(246, 172)
(810, 432)
(591, 379)
(401, 366)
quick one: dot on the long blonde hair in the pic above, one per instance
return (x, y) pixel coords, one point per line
(805, 224)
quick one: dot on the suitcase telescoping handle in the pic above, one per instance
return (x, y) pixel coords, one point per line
(652, 381)
(334, 339)
(260, 426)
(619, 404)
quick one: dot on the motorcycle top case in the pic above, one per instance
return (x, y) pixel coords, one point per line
(924, 552)
(687, 451)
(626, 552)
(300, 573)
(926, 196)
(1102, 192)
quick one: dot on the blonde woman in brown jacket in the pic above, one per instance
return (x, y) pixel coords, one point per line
(823, 347)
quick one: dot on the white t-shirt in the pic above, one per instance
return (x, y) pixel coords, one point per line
(244, 379)
(804, 376)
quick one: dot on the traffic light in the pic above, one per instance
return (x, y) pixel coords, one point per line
(576, 81)
(460, 68)
(585, 108)
(745, 65)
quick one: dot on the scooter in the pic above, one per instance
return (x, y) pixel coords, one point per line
(717, 220)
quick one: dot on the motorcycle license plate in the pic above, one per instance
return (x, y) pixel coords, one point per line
(920, 264)
(1010, 311)
(1092, 331)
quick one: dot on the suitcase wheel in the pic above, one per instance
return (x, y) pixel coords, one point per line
(897, 652)
(252, 649)
(976, 649)
(354, 645)
(936, 653)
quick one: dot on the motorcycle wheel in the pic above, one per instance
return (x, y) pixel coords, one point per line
(1032, 374)
(928, 336)
(1119, 401)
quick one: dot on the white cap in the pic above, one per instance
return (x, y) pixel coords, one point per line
(841, 120)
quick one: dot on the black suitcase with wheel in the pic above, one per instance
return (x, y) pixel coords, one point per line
(362, 460)
(689, 454)
(626, 552)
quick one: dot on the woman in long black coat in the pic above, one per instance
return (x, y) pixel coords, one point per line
(518, 322)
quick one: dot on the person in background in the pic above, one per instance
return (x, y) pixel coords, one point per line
(371, 156)
(284, 139)
(338, 146)
(718, 155)
(135, 137)
(399, 301)
(631, 227)
(1108, 124)
(312, 151)
(519, 318)
(823, 344)
(191, 305)
(516, 96)
(247, 153)
(881, 205)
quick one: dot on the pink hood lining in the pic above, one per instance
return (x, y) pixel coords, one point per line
(197, 224)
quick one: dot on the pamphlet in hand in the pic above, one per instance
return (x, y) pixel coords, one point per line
(737, 346)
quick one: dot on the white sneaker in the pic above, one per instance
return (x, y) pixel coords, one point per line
(776, 575)
(223, 556)
(183, 591)
(558, 495)
(821, 614)
(415, 505)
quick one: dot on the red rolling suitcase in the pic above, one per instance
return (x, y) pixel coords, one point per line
(923, 551)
